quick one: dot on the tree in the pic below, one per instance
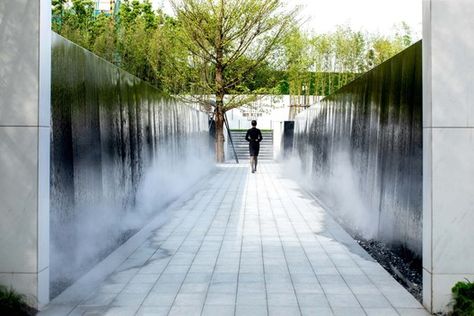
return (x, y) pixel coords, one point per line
(385, 47)
(169, 58)
(57, 14)
(137, 23)
(240, 48)
(298, 62)
(321, 58)
(227, 40)
(403, 35)
(75, 21)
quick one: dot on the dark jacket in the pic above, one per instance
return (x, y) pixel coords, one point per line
(254, 137)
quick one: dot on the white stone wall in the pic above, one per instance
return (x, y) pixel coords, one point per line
(448, 158)
(276, 110)
(272, 109)
(25, 66)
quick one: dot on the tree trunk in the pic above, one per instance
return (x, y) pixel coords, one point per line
(220, 158)
(330, 83)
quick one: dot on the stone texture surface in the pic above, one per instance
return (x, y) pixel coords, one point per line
(25, 89)
(448, 149)
(242, 244)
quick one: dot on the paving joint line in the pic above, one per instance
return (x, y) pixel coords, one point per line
(241, 245)
(179, 247)
(194, 258)
(329, 213)
(284, 252)
(128, 282)
(263, 257)
(221, 243)
(299, 240)
(345, 250)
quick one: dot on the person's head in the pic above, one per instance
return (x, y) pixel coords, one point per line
(254, 123)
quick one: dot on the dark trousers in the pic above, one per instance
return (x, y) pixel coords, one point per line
(253, 163)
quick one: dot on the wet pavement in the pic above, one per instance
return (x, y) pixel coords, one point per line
(239, 244)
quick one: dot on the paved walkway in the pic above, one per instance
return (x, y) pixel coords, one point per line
(243, 244)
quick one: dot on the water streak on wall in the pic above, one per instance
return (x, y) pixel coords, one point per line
(119, 152)
(362, 150)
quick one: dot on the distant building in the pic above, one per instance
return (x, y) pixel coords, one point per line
(104, 6)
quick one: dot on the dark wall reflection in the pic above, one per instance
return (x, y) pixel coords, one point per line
(363, 149)
(119, 152)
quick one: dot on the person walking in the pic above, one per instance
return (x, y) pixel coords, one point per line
(254, 137)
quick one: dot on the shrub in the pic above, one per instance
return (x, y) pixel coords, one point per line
(463, 295)
(13, 304)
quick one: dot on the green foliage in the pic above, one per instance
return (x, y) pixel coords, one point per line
(298, 61)
(270, 55)
(137, 23)
(230, 42)
(463, 295)
(75, 20)
(12, 303)
(326, 62)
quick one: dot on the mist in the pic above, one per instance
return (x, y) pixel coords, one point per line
(120, 153)
(338, 189)
(96, 229)
(360, 151)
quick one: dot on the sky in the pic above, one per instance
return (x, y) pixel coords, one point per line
(374, 16)
(371, 15)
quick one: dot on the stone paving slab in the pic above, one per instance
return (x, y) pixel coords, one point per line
(242, 244)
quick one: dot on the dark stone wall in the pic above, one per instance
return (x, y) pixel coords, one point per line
(362, 148)
(287, 138)
(120, 152)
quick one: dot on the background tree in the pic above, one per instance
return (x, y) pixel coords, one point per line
(75, 21)
(321, 61)
(298, 62)
(383, 47)
(337, 58)
(232, 48)
(169, 58)
(228, 39)
(151, 45)
(137, 23)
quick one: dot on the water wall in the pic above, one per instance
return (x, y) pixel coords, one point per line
(120, 152)
(360, 151)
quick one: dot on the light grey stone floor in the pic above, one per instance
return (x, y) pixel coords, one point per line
(243, 244)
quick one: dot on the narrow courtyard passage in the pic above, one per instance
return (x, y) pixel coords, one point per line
(240, 244)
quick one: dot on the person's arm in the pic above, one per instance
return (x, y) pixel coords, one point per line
(247, 136)
(259, 136)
